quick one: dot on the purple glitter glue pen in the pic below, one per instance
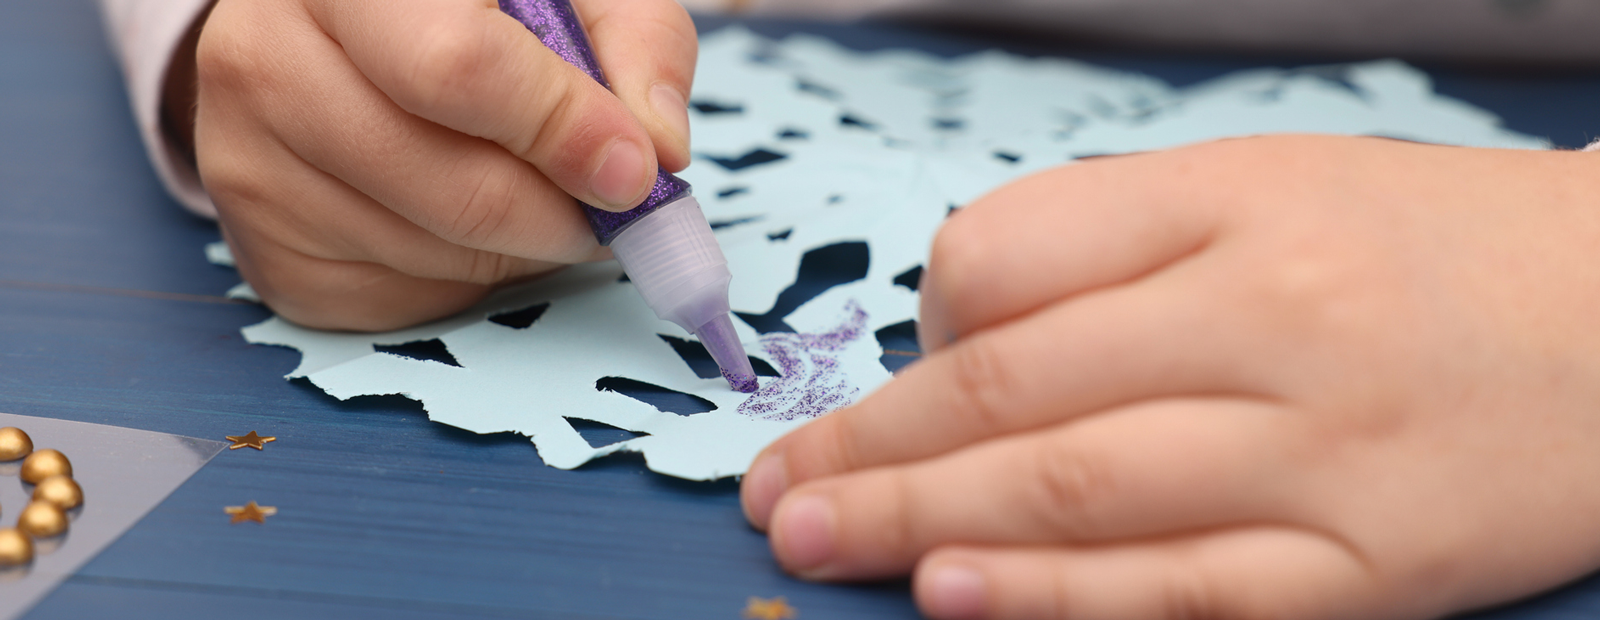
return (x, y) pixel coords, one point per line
(665, 245)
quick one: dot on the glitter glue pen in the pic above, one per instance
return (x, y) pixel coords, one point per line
(665, 245)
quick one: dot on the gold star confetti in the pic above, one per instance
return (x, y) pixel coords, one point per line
(765, 609)
(251, 440)
(250, 512)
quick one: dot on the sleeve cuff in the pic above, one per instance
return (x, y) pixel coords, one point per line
(145, 33)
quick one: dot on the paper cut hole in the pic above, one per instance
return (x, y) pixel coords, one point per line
(699, 359)
(663, 399)
(910, 279)
(781, 235)
(793, 134)
(432, 350)
(820, 270)
(721, 224)
(1337, 75)
(753, 158)
(1009, 158)
(851, 120)
(900, 348)
(763, 369)
(733, 191)
(711, 108)
(814, 88)
(600, 434)
(520, 319)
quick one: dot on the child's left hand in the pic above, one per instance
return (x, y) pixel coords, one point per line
(1286, 377)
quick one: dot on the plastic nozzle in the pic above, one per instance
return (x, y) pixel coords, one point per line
(723, 344)
(674, 260)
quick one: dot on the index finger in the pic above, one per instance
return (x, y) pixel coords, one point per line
(472, 68)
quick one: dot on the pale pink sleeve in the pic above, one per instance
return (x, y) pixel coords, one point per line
(144, 34)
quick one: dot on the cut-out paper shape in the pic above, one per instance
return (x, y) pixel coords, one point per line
(828, 172)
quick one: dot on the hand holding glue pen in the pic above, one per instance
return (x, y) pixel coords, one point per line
(376, 164)
(665, 244)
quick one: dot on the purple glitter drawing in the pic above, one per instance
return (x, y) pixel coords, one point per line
(812, 383)
(558, 27)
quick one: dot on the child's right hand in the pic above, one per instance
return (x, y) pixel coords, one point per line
(379, 163)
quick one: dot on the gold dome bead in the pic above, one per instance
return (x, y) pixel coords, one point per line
(14, 444)
(44, 464)
(59, 490)
(16, 548)
(42, 520)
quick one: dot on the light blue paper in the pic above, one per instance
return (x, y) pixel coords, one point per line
(877, 148)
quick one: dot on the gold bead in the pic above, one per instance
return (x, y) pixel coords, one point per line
(59, 490)
(42, 520)
(16, 548)
(44, 464)
(14, 444)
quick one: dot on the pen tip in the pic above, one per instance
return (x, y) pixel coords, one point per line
(722, 342)
(741, 382)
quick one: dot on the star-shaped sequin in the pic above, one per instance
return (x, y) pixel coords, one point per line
(250, 512)
(251, 440)
(765, 609)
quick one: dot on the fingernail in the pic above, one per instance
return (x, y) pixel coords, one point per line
(954, 593)
(671, 108)
(766, 481)
(620, 179)
(803, 533)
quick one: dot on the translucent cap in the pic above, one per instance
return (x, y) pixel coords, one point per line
(673, 258)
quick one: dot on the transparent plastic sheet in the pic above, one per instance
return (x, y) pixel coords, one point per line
(124, 474)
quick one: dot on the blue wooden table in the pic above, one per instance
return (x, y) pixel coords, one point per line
(108, 314)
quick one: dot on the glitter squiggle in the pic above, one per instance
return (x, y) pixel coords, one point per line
(812, 383)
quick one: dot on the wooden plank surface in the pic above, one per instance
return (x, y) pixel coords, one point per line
(109, 314)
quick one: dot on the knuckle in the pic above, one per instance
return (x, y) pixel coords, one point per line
(227, 185)
(981, 382)
(840, 445)
(1313, 291)
(898, 538)
(957, 250)
(227, 58)
(478, 218)
(449, 59)
(1072, 485)
(560, 137)
(487, 268)
(1187, 594)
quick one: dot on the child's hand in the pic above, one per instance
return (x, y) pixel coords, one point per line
(377, 163)
(1288, 377)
